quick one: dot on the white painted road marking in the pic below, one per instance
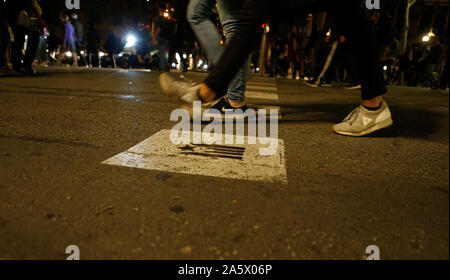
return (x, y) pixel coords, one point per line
(262, 90)
(267, 88)
(261, 95)
(242, 162)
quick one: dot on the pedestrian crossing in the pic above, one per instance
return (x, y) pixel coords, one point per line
(263, 90)
(258, 89)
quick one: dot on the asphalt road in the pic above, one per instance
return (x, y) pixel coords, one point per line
(343, 194)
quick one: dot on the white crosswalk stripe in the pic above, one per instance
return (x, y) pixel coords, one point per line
(265, 88)
(262, 89)
(261, 95)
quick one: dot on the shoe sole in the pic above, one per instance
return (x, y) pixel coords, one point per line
(384, 124)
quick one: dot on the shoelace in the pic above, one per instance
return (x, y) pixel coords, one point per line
(353, 116)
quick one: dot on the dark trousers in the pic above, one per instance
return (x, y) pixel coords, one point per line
(17, 46)
(350, 20)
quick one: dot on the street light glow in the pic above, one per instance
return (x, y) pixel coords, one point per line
(131, 41)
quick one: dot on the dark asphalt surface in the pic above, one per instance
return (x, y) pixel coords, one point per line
(390, 189)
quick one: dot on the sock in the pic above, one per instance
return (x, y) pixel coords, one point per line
(373, 108)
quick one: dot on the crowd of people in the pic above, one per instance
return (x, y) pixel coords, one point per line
(323, 59)
(26, 41)
(319, 57)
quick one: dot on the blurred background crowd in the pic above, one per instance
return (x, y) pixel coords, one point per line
(155, 35)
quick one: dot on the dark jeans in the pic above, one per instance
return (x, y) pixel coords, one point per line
(349, 19)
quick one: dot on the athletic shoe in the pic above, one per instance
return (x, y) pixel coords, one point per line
(224, 108)
(182, 93)
(362, 121)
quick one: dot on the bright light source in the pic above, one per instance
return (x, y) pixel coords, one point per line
(257, 69)
(166, 14)
(426, 38)
(82, 52)
(329, 33)
(101, 54)
(131, 41)
(174, 65)
(205, 66)
(385, 68)
(184, 56)
(68, 54)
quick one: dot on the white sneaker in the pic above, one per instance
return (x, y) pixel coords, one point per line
(183, 93)
(361, 121)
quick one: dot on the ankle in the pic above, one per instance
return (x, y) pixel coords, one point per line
(372, 103)
(206, 93)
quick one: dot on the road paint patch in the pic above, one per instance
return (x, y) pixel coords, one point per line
(242, 162)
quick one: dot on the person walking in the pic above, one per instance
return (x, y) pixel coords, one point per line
(371, 115)
(199, 16)
(79, 35)
(93, 45)
(69, 44)
(294, 52)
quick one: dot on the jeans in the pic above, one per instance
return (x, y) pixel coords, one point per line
(349, 18)
(199, 14)
(41, 52)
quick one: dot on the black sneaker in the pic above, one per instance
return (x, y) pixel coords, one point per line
(224, 107)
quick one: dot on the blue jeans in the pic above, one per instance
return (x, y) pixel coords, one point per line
(199, 14)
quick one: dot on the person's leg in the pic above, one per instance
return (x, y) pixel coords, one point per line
(162, 56)
(373, 114)
(354, 24)
(39, 52)
(434, 77)
(247, 33)
(297, 68)
(16, 47)
(74, 54)
(444, 79)
(199, 16)
(30, 53)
